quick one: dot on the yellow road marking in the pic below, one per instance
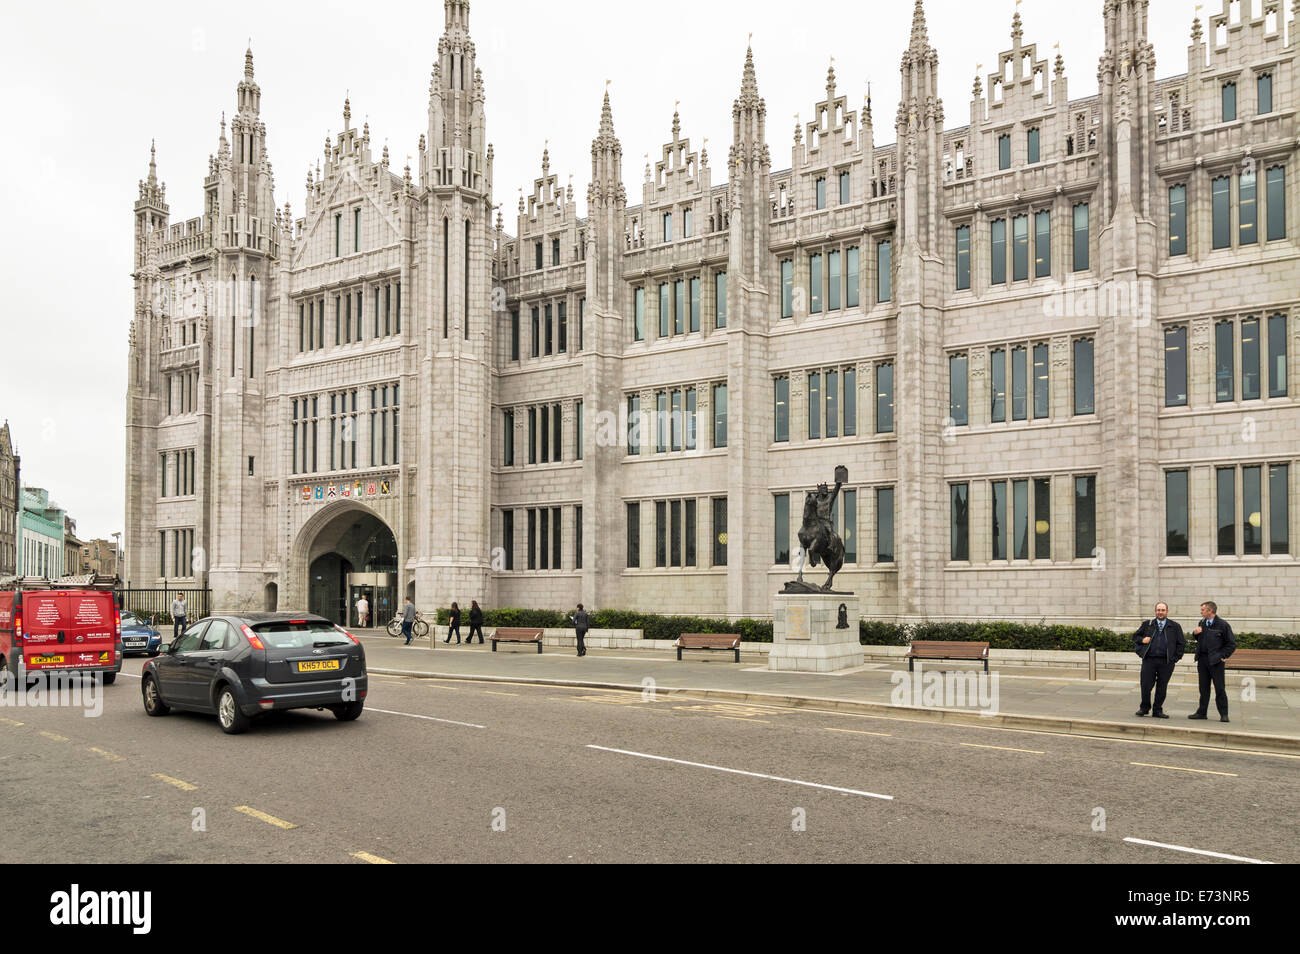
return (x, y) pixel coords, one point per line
(106, 754)
(1179, 768)
(494, 692)
(434, 685)
(831, 728)
(369, 858)
(182, 785)
(9, 722)
(744, 719)
(1003, 748)
(263, 816)
(55, 737)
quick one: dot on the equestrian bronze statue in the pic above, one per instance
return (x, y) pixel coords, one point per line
(817, 535)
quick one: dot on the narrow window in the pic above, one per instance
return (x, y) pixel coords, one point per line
(695, 304)
(1042, 244)
(1279, 540)
(1229, 100)
(885, 398)
(850, 402)
(1221, 213)
(555, 251)
(1264, 93)
(532, 538)
(957, 389)
(1042, 518)
(634, 424)
(633, 535)
(1224, 362)
(833, 281)
(781, 409)
(514, 335)
(1085, 516)
(1081, 237)
(1004, 151)
(1277, 355)
(1084, 402)
(719, 531)
(998, 252)
(508, 430)
(1178, 220)
(1252, 506)
(998, 385)
(998, 520)
(661, 422)
(959, 522)
(338, 235)
(851, 277)
(719, 415)
(883, 271)
(661, 533)
(1020, 248)
(1031, 145)
(1020, 520)
(356, 230)
(844, 188)
(781, 528)
(884, 524)
(577, 538)
(787, 288)
(578, 436)
(1042, 399)
(562, 319)
(668, 226)
(963, 257)
(679, 307)
(1250, 359)
(1019, 384)
(821, 193)
(815, 284)
(814, 405)
(687, 217)
(508, 537)
(665, 309)
(1246, 233)
(1226, 490)
(1176, 367)
(832, 404)
(1275, 197)
(675, 533)
(720, 300)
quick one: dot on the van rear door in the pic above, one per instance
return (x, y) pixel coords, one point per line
(70, 629)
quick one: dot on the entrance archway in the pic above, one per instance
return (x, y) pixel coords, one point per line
(348, 552)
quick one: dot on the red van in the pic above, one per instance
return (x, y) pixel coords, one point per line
(50, 627)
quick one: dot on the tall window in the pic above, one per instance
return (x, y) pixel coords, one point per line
(638, 315)
(1020, 248)
(814, 405)
(884, 524)
(1176, 367)
(356, 230)
(781, 409)
(679, 309)
(832, 388)
(844, 188)
(577, 435)
(787, 288)
(577, 538)
(661, 533)
(1004, 151)
(1224, 362)
(514, 335)
(1178, 220)
(719, 531)
(1228, 98)
(536, 332)
(883, 271)
(562, 323)
(508, 430)
(885, 398)
(959, 522)
(957, 389)
(1275, 199)
(338, 234)
(1277, 355)
(781, 528)
(815, 283)
(998, 520)
(849, 533)
(1252, 511)
(532, 435)
(1081, 237)
(1031, 145)
(1042, 399)
(1085, 516)
(1042, 518)
(634, 424)
(661, 422)
(555, 251)
(998, 251)
(998, 385)
(833, 281)
(549, 327)
(720, 300)
(665, 308)
(1220, 211)
(1042, 244)
(1019, 384)
(963, 257)
(508, 538)
(1084, 402)
(694, 324)
(1264, 93)
(821, 193)
(668, 226)
(719, 415)
(687, 216)
(537, 248)
(1225, 490)
(1246, 233)
(1279, 526)
(851, 277)
(850, 402)
(1250, 359)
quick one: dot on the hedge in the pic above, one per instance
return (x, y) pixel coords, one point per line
(652, 625)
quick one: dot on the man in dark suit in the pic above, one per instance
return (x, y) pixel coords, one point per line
(1214, 644)
(1160, 643)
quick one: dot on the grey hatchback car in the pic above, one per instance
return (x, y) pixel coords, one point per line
(241, 666)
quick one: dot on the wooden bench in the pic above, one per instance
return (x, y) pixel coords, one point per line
(1280, 659)
(728, 642)
(947, 649)
(506, 634)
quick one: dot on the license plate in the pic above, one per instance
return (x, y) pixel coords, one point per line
(318, 665)
(43, 660)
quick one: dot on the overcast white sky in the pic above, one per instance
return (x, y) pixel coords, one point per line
(87, 85)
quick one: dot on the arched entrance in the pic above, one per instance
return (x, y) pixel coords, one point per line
(349, 552)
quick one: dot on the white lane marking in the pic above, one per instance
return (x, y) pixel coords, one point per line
(1197, 851)
(412, 715)
(130, 675)
(721, 768)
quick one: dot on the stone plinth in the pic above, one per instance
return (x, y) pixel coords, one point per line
(804, 633)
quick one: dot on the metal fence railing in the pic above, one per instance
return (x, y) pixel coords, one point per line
(158, 601)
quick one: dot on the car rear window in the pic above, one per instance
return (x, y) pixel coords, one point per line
(291, 634)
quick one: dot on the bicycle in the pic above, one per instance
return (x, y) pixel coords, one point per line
(419, 629)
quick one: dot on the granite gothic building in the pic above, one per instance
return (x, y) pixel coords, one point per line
(1054, 344)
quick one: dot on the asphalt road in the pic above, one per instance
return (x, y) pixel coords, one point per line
(454, 771)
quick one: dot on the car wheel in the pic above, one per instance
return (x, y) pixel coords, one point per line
(110, 678)
(153, 704)
(231, 720)
(348, 711)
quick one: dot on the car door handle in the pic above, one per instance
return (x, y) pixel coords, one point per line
(214, 662)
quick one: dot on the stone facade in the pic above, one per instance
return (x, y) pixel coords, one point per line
(985, 323)
(10, 466)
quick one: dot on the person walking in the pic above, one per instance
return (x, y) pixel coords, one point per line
(180, 616)
(1214, 644)
(408, 620)
(1160, 643)
(475, 623)
(581, 623)
(454, 624)
(363, 611)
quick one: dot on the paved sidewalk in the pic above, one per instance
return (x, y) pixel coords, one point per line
(1054, 700)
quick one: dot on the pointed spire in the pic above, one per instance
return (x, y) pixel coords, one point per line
(798, 130)
(920, 37)
(704, 153)
(1196, 29)
(830, 80)
(1059, 67)
(1016, 31)
(365, 132)
(749, 79)
(677, 121)
(153, 164)
(606, 116)
(248, 61)
(546, 159)
(347, 113)
(867, 108)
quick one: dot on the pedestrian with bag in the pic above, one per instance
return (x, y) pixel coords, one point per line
(454, 626)
(475, 623)
(581, 623)
(408, 620)
(1214, 644)
(363, 611)
(180, 616)
(1160, 643)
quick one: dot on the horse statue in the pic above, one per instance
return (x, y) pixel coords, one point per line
(817, 536)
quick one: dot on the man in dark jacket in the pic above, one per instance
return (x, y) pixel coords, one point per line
(1214, 644)
(1160, 643)
(475, 623)
(581, 623)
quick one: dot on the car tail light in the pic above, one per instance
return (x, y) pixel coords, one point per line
(347, 634)
(117, 623)
(297, 622)
(252, 637)
(18, 628)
